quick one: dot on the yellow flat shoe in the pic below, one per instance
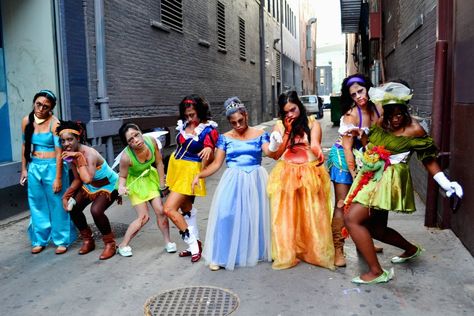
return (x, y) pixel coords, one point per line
(214, 267)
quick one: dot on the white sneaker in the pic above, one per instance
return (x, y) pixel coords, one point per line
(170, 247)
(125, 251)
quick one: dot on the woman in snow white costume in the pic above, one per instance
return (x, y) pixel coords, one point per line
(196, 140)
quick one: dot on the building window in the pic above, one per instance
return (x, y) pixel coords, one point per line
(171, 13)
(242, 38)
(221, 26)
(273, 2)
(278, 10)
(269, 6)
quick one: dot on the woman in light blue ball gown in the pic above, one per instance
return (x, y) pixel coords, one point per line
(238, 230)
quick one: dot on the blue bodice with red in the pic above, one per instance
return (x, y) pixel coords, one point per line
(189, 146)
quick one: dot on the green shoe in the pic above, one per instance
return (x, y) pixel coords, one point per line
(383, 278)
(398, 259)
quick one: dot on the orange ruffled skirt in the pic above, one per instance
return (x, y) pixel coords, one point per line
(300, 199)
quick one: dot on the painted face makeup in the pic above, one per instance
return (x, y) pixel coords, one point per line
(359, 94)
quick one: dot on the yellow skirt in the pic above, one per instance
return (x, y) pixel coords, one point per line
(300, 199)
(181, 174)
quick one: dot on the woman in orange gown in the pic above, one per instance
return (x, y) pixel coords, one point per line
(299, 189)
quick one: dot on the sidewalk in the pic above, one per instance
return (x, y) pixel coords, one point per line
(439, 282)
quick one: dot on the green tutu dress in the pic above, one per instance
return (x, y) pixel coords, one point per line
(393, 190)
(143, 180)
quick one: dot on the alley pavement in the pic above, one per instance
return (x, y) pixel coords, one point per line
(439, 282)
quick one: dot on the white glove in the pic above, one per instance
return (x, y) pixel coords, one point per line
(275, 141)
(449, 186)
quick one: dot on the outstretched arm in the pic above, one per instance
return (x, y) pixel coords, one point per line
(123, 173)
(211, 168)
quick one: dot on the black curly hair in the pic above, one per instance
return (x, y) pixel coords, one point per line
(75, 125)
(124, 128)
(200, 105)
(346, 100)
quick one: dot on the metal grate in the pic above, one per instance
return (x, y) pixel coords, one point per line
(242, 38)
(196, 300)
(221, 25)
(172, 14)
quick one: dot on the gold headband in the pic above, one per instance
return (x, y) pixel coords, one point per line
(70, 130)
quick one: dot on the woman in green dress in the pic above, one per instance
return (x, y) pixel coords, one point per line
(142, 178)
(384, 182)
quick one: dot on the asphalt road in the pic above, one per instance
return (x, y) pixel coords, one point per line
(439, 282)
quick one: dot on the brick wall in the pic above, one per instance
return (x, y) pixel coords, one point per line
(149, 70)
(409, 50)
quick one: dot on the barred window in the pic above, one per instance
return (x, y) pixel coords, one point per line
(242, 38)
(221, 25)
(172, 14)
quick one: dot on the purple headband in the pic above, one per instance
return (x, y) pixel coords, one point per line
(354, 80)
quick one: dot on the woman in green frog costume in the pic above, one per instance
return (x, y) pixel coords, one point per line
(384, 183)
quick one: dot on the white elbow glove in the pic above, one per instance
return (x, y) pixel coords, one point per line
(275, 141)
(449, 186)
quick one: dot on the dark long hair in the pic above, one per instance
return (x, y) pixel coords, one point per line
(300, 124)
(124, 128)
(388, 111)
(77, 126)
(30, 128)
(200, 105)
(346, 100)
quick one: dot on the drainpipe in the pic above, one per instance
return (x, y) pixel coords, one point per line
(102, 98)
(263, 83)
(440, 112)
(439, 84)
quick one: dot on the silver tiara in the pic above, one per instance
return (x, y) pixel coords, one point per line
(233, 105)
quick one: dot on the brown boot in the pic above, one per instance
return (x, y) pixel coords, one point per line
(109, 246)
(339, 259)
(88, 243)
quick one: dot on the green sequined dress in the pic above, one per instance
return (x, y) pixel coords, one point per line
(394, 191)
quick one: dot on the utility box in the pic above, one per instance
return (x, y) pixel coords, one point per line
(336, 110)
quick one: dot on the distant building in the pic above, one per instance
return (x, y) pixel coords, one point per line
(324, 80)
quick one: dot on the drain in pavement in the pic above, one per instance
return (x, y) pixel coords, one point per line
(194, 300)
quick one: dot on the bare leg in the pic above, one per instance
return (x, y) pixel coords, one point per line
(377, 225)
(137, 224)
(354, 222)
(161, 219)
(172, 205)
(338, 222)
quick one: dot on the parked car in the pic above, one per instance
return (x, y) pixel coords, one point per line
(313, 105)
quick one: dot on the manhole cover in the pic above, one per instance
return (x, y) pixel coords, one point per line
(196, 300)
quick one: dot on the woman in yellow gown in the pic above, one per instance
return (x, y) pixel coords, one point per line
(299, 189)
